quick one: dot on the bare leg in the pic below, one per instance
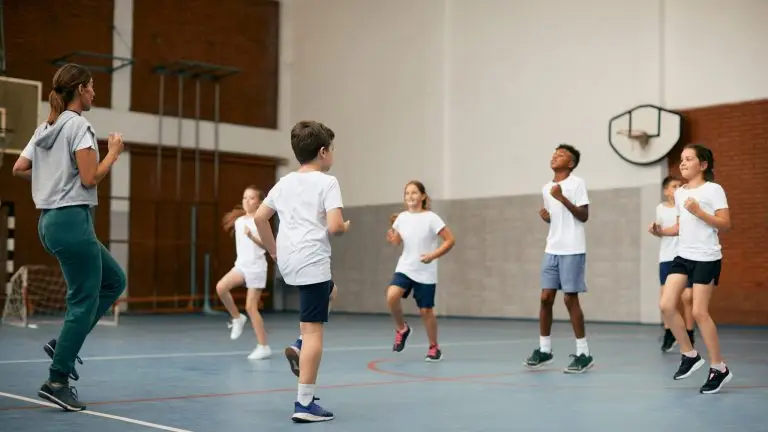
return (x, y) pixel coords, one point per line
(576, 314)
(669, 308)
(230, 280)
(701, 296)
(687, 300)
(394, 296)
(430, 324)
(545, 311)
(252, 307)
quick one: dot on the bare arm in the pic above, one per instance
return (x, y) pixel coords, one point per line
(581, 213)
(336, 224)
(544, 215)
(720, 220)
(263, 215)
(393, 237)
(23, 168)
(449, 241)
(92, 171)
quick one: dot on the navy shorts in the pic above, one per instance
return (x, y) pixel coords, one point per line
(698, 272)
(665, 268)
(314, 300)
(424, 294)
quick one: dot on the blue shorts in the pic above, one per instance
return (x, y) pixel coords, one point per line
(314, 300)
(564, 272)
(424, 294)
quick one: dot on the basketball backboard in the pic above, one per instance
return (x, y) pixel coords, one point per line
(19, 109)
(645, 134)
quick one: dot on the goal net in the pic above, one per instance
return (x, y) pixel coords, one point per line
(36, 294)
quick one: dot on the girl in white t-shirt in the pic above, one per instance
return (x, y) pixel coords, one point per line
(250, 270)
(418, 229)
(702, 210)
(666, 217)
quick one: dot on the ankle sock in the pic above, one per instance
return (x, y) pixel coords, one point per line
(305, 394)
(691, 354)
(582, 347)
(545, 344)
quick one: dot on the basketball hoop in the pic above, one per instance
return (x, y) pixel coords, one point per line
(639, 137)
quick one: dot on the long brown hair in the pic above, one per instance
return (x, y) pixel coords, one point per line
(228, 221)
(426, 203)
(66, 83)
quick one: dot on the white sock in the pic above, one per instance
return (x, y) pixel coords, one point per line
(691, 354)
(719, 366)
(545, 344)
(306, 394)
(582, 347)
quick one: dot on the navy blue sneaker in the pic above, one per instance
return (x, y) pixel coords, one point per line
(311, 413)
(292, 354)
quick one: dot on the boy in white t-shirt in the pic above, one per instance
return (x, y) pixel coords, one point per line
(666, 216)
(566, 210)
(419, 230)
(309, 205)
(703, 213)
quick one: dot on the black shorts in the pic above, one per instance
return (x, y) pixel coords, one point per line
(698, 272)
(314, 300)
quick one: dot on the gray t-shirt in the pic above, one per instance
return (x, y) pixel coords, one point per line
(55, 176)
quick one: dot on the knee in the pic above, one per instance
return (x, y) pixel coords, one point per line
(687, 297)
(394, 294)
(667, 307)
(571, 301)
(252, 304)
(221, 288)
(427, 312)
(547, 299)
(700, 313)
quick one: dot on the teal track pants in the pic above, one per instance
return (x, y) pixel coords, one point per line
(94, 279)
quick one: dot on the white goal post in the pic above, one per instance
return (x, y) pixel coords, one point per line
(36, 295)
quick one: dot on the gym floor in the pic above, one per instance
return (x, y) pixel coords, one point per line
(182, 373)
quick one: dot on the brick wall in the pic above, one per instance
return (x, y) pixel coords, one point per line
(738, 136)
(238, 33)
(39, 31)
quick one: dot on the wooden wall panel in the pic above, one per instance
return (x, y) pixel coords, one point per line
(237, 33)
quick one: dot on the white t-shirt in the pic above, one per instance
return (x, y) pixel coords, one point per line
(301, 201)
(250, 256)
(419, 232)
(698, 241)
(566, 233)
(667, 217)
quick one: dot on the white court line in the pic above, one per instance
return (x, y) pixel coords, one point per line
(98, 414)
(330, 349)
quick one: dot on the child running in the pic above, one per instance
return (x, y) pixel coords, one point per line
(702, 210)
(250, 270)
(293, 352)
(418, 229)
(666, 216)
(566, 210)
(309, 205)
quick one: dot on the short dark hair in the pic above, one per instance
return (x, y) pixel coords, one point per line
(308, 138)
(667, 180)
(575, 154)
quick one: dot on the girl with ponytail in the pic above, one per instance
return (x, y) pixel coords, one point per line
(702, 213)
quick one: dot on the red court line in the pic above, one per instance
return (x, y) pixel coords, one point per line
(410, 379)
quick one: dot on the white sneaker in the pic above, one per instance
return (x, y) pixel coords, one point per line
(237, 326)
(260, 353)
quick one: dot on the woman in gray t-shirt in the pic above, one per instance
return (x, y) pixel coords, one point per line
(62, 161)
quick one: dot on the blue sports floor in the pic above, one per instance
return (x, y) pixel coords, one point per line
(182, 373)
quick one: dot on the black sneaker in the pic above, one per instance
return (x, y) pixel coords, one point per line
(538, 359)
(50, 349)
(668, 342)
(580, 364)
(400, 337)
(716, 380)
(62, 394)
(434, 354)
(688, 365)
